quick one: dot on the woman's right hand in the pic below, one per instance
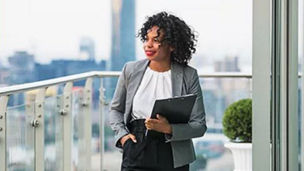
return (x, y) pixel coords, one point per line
(126, 137)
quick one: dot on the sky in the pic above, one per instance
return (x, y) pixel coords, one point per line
(52, 29)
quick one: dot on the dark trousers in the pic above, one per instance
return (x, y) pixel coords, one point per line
(149, 153)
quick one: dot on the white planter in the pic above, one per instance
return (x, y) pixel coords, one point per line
(242, 155)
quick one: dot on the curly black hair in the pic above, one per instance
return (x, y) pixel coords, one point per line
(176, 33)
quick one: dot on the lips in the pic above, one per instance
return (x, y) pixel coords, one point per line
(149, 52)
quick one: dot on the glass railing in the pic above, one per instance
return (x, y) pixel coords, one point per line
(53, 139)
(218, 94)
(20, 138)
(65, 121)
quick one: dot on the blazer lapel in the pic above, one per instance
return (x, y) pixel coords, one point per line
(137, 76)
(176, 79)
(135, 81)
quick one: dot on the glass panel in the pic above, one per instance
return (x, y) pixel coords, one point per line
(112, 157)
(218, 93)
(53, 154)
(20, 137)
(95, 143)
(78, 127)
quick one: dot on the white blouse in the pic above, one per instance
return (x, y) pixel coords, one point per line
(154, 85)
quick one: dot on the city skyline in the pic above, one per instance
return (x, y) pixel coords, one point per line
(223, 29)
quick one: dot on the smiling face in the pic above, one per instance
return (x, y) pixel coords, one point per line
(155, 49)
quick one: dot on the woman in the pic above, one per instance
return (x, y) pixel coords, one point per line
(168, 43)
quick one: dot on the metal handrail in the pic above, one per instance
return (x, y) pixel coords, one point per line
(47, 83)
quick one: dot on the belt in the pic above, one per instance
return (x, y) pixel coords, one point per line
(138, 126)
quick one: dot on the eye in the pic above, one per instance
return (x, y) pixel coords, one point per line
(156, 39)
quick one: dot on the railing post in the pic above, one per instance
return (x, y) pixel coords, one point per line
(101, 123)
(29, 129)
(85, 125)
(64, 129)
(59, 134)
(38, 124)
(67, 126)
(3, 105)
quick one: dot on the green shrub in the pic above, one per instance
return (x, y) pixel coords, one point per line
(237, 124)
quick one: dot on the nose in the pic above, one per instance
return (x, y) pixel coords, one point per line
(148, 43)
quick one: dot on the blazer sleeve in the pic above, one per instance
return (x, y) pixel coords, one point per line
(117, 109)
(196, 127)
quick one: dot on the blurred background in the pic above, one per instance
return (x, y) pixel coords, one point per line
(43, 39)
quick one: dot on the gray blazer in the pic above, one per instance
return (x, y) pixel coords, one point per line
(184, 81)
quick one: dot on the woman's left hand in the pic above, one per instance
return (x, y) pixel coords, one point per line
(160, 124)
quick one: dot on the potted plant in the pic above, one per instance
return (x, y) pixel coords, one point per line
(237, 126)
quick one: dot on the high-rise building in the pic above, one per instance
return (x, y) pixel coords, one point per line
(123, 39)
(4, 76)
(87, 49)
(229, 64)
(22, 66)
(123, 33)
